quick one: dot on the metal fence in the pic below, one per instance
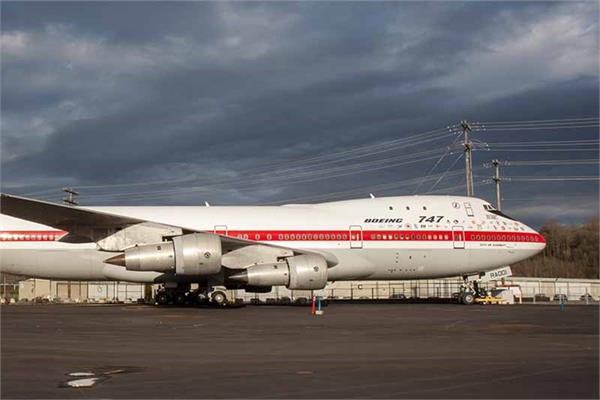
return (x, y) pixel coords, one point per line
(531, 289)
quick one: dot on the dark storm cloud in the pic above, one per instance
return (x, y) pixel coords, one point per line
(104, 93)
(123, 22)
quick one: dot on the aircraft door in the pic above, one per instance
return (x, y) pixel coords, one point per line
(221, 229)
(458, 237)
(469, 210)
(356, 237)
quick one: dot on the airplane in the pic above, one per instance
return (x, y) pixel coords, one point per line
(299, 246)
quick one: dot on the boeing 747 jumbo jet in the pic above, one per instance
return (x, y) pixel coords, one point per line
(300, 246)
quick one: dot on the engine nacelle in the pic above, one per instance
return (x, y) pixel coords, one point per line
(192, 254)
(197, 254)
(268, 275)
(305, 271)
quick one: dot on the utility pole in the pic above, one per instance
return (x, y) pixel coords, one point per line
(468, 148)
(497, 179)
(70, 199)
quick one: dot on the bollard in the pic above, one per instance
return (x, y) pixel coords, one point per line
(319, 310)
(561, 303)
(313, 309)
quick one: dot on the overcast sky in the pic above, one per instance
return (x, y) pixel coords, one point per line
(243, 103)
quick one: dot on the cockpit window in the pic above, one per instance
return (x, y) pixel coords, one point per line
(489, 208)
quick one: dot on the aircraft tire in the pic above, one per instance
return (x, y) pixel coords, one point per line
(219, 298)
(180, 299)
(162, 299)
(468, 299)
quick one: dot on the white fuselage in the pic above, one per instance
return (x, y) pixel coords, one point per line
(410, 237)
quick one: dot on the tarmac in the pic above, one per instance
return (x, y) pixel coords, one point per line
(352, 351)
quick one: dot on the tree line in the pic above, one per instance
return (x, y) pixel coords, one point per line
(571, 252)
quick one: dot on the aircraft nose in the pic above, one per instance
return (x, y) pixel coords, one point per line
(540, 239)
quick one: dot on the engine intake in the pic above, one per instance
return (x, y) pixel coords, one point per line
(307, 271)
(192, 254)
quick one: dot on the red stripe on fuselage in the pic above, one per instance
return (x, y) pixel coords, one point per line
(325, 236)
(30, 236)
(385, 235)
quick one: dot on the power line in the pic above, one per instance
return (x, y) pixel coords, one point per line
(581, 142)
(537, 128)
(539, 150)
(299, 179)
(534, 121)
(591, 161)
(363, 189)
(554, 178)
(445, 172)
(286, 166)
(546, 197)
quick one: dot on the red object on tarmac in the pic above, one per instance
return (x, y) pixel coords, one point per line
(313, 310)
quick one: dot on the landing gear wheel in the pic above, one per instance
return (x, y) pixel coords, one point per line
(468, 299)
(180, 299)
(219, 298)
(162, 299)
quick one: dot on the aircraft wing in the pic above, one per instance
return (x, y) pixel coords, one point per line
(97, 226)
(59, 216)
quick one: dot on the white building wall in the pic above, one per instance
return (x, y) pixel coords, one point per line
(439, 288)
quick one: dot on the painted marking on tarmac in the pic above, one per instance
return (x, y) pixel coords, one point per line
(89, 379)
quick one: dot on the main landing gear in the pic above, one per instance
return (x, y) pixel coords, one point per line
(469, 291)
(182, 295)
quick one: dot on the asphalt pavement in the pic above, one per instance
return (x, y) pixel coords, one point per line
(352, 351)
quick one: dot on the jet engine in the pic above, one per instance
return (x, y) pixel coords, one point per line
(306, 271)
(192, 254)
